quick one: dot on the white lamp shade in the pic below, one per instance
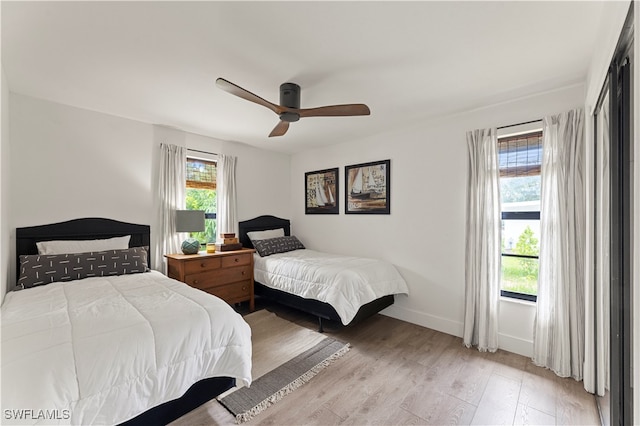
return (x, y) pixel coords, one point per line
(189, 220)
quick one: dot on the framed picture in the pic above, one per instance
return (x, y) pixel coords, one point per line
(321, 192)
(367, 188)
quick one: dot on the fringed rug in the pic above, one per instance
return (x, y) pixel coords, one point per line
(271, 386)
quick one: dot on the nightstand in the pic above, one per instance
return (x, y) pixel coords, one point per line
(227, 274)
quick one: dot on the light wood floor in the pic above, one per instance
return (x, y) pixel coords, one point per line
(399, 373)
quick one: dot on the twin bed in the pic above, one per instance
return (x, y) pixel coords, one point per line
(344, 289)
(130, 346)
(137, 347)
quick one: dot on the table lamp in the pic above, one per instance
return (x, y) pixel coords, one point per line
(190, 221)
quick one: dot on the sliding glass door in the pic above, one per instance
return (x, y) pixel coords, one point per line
(621, 230)
(613, 230)
(621, 244)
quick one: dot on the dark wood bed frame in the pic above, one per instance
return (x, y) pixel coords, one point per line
(322, 310)
(99, 228)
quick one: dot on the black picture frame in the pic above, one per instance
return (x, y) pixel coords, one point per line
(368, 188)
(321, 189)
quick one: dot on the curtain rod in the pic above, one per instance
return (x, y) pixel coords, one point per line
(520, 124)
(202, 152)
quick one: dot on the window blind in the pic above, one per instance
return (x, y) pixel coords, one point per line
(201, 174)
(520, 155)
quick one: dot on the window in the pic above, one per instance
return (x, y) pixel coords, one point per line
(520, 161)
(201, 195)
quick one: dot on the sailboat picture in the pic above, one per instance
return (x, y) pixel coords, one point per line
(321, 192)
(367, 187)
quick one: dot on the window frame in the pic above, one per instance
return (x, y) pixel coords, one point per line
(214, 160)
(527, 129)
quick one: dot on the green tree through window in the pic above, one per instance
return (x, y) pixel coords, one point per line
(527, 243)
(203, 199)
(519, 274)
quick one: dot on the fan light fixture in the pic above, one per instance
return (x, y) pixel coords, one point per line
(289, 109)
(190, 221)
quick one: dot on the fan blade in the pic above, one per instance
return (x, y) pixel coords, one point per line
(335, 110)
(280, 129)
(238, 91)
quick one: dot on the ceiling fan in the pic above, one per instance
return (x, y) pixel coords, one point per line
(289, 109)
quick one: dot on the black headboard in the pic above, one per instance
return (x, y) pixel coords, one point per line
(261, 223)
(92, 228)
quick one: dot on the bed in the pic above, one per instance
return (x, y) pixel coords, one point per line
(331, 287)
(133, 348)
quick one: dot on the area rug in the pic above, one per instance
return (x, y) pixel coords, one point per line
(285, 356)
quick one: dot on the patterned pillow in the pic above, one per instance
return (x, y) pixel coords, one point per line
(36, 269)
(277, 245)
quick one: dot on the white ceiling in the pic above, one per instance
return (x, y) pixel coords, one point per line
(157, 61)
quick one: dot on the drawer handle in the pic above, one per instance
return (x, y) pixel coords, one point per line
(195, 281)
(244, 288)
(202, 265)
(236, 260)
(243, 272)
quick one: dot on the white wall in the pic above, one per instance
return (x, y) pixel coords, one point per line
(5, 152)
(425, 234)
(68, 163)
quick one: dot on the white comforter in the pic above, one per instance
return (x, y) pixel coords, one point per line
(102, 350)
(344, 282)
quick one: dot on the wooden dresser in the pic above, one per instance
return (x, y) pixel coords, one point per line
(228, 274)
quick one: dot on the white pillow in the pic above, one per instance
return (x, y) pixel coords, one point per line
(264, 235)
(83, 246)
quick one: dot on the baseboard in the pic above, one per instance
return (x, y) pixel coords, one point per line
(515, 345)
(433, 322)
(506, 342)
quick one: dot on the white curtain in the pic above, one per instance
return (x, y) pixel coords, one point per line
(226, 216)
(558, 341)
(596, 362)
(482, 273)
(171, 197)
